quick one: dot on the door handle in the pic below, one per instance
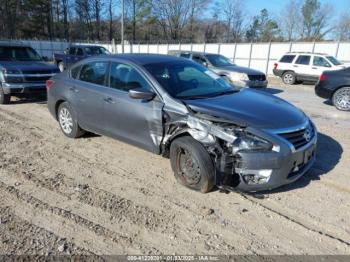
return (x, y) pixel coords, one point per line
(295, 65)
(109, 100)
(73, 89)
(314, 67)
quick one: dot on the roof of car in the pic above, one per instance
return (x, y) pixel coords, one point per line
(190, 52)
(14, 44)
(143, 59)
(84, 45)
(307, 53)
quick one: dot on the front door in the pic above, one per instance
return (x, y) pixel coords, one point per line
(135, 121)
(319, 65)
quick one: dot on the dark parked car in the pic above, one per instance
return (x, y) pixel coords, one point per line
(213, 133)
(238, 75)
(76, 53)
(22, 71)
(335, 85)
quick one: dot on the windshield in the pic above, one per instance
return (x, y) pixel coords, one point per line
(219, 60)
(18, 53)
(96, 50)
(333, 60)
(188, 80)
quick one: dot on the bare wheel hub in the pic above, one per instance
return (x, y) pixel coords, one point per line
(188, 167)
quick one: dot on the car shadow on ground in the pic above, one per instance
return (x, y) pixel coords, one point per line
(329, 153)
(272, 90)
(28, 99)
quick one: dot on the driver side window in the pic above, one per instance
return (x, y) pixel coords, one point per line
(320, 61)
(125, 77)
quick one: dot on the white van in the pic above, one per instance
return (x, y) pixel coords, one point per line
(304, 67)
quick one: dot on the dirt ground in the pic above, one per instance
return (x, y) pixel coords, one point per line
(98, 196)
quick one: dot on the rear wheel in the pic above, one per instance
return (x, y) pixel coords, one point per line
(341, 99)
(192, 164)
(4, 98)
(68, 121)
(289, 78)
(60, 66)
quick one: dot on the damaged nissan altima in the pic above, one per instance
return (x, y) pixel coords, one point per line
(213, 133)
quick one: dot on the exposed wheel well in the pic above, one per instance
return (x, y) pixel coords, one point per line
(57, 105)
(335, 90)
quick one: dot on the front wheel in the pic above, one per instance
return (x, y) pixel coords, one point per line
(341, 99)
(4, 98)
(68, 121)
(192, 164)
(289, 78)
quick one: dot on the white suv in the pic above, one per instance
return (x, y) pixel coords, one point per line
(299, 67)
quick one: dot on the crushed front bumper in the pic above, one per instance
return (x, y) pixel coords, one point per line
(283, 167)
(23, 88)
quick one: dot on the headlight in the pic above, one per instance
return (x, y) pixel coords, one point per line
(246, 142)
(239, 77)
(12, 75)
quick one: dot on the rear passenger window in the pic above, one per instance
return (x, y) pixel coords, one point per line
(80, 52)
(124, 77)
(72, 50)
(75, 71)
(287, 59)
(94, 72)
(303, 60)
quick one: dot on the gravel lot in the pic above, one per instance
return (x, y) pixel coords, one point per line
(98, 196)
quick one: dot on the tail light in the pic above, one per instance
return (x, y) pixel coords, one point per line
(323, 77)
(275, 66)
(49, 84)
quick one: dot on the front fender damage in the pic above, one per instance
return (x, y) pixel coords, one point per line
(217, 135)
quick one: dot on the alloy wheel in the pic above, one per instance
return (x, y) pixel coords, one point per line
(188, 167)
(342, 99)
(66, 120)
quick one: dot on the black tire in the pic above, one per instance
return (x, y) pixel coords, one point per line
(185, 152)
(60, 66)
(4, 98)
(289, 78)
(341, 99)
(65, 112)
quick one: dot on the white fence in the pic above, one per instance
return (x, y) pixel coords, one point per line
(259, 56)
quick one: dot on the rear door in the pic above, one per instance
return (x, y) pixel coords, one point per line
(134, 121)
(302, 67)
(90, 91)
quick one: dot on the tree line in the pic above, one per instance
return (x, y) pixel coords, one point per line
(170, 21)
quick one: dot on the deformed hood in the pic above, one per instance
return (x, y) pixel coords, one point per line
(240, 69)
(250, 108)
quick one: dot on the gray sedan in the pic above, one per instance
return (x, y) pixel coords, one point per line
(213, 133)
(238, 75)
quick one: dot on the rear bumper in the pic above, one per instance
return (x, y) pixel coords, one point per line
(23, 88)
(323, 92)
(277, 72)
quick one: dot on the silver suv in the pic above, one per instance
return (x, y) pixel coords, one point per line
(223, 66)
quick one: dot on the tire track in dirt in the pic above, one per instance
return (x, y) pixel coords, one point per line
(167, 200)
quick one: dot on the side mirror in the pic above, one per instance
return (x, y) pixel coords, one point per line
(45, 59)
(205, 64)
(141, 93)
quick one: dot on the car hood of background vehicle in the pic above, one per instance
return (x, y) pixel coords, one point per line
(28, 66)
(240, 69)
(250, 108)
